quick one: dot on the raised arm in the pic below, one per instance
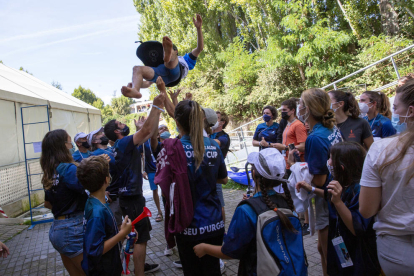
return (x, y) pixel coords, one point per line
(151, 124)
(198, 22)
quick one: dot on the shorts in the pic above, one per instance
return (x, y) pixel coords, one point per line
(167, 75)
(321, 213)
(132, 206)
(116, 210)
(219, 189)
(151, 177)
(66, 235)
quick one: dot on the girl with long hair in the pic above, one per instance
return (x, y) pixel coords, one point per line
(388, 189)
(205, 168)
(352, 127)
(268, 169)
(315, 109)
(376, 105)
(345, 221)
(66, 197)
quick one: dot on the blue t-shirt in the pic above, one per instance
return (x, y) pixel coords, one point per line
(224, 141)
(78, 156)
(208, 221)
(269, 133)
(317, 147)
(150, 156)
(191, 62)
(381, 126)
(67, 195)
(127, 176)
(98, 152)
(99, 226)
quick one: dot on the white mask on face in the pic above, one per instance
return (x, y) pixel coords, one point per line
(363, 107)
(216, 125)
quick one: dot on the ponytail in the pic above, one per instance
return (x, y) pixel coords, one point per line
(318, 102)
(350, 103)
(383, 103)
(191, 118)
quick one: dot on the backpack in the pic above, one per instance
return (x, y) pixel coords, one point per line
(279, 251)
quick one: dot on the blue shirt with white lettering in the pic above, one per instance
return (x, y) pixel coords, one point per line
(208, 220)
(381, 126)
(269, 133)
(79, 156)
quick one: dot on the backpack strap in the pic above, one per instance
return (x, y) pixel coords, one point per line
(259, 206)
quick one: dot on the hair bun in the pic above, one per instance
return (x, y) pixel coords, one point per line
(329, 115)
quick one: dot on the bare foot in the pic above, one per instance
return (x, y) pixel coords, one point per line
(130, 92)
(168, 48)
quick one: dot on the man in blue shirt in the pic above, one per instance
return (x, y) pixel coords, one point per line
(81, 142)
(174, 67)
(128, 177)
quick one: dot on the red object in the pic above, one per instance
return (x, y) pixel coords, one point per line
(144, 214)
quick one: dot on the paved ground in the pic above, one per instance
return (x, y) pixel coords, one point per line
(33, 254)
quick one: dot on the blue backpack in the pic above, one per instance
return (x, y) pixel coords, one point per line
(279, 251)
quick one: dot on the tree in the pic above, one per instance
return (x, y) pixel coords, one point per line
(57, 85)
(85, 95)
(22, 69)
(120, 105)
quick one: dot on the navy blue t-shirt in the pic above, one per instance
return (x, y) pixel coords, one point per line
(78, 156)
(269, 133)
(224, 141)
(381, 126)
(99, 226)
(208, 221)
(150, 156)
(67, 195)
(111, 189)
(127, 174)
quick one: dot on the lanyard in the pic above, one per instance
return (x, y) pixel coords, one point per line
(374, 121)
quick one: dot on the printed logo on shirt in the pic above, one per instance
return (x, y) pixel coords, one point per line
(351, 135)
(205, 229)
(55, 180)
(121, 190)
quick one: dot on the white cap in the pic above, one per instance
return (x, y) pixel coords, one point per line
(79, 135)
(211, 116)
(160, 126)
(90, 135)
(269, 163)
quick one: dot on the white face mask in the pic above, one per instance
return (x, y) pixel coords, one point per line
(216, 125)
(363, 107)
(330, 168)
(334, 109)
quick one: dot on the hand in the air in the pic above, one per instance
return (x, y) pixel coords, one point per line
(160, 84)
(198, 21)
(139, 123)
(174, 95)
(159, 100)
(188, 97)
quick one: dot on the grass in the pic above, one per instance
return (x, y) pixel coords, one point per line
(234, 186)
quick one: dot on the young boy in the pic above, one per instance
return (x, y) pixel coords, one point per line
(101, 240)
(173, 68)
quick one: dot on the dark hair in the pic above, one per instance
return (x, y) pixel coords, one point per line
(405, 79)
(191, 118)
(92, 172)
(383, 103)
(272, 110)
(224, 118)
(54, 152)
(109, 130)
(350, 103)
(351, 156)
(290, 103)
(266, 184)
(175, 48)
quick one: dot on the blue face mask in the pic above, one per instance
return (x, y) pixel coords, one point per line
(73, 149)
(266, 118)
(395, 120)
(165, 135)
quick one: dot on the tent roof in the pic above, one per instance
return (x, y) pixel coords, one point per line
(21, 87)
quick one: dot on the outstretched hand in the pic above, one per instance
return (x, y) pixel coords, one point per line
(160, 99)
(198, 21)
(174, 95)
(139, 123)
(188, 97)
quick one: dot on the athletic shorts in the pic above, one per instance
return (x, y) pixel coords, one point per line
(167, 75)
(151, 177)
(219, 189)
(321, 213)
(66, 235)
(116, 210)
(132, 206)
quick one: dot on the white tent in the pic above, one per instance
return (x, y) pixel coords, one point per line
(19, 89)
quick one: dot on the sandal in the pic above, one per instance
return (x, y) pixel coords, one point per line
(159, 218)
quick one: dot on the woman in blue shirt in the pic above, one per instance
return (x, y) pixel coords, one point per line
(65, 196)
(345, 221)
(377, 107)
(266, 133)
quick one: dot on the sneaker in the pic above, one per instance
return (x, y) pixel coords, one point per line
(222, 266)
(151, 267)
(168, 251)
(305, 229)
(178, 264)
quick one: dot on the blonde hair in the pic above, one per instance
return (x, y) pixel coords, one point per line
(319, 104)
(191, 118)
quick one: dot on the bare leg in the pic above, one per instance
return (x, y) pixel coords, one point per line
(140, 251)
(157, 200)
(146, 84)
(138, 75)
(323, 248)
(306, 217)
(170, 56)
(73, 266)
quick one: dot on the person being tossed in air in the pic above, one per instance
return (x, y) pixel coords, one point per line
(174, 66)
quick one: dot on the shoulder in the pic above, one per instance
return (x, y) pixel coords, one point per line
(379, 145)
(275, 125)
(261, 126)
(125, 141)
(94, 209)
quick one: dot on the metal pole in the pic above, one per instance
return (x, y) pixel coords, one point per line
(335, 86)
(244, 142)
(27, 173)
(395, 67)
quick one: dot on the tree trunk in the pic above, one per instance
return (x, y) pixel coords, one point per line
(302, 74)
(389, 18)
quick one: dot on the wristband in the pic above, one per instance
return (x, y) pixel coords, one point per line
(162, 110)
(311, 192)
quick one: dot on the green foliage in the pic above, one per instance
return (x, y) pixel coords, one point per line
(85, 95)
(22, 69)
(120, 105)
(57, 85)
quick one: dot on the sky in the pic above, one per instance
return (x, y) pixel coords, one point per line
(88, 43)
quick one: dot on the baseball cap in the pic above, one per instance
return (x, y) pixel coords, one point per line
(90, 135)
(160, 126)
(269, 163)
(211, 116)
(80, 135)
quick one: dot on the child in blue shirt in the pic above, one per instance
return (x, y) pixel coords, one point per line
(102, 240)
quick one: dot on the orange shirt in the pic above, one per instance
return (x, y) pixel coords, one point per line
(294, 133)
